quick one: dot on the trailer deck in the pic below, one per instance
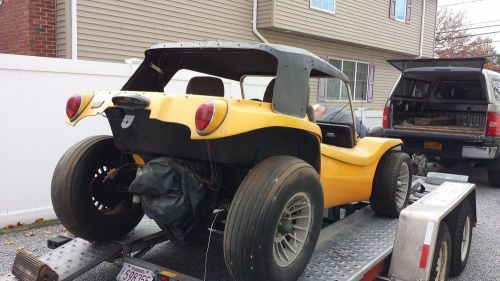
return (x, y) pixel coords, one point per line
(346, 250)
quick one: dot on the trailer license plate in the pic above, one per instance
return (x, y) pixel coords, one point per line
(431, 145)
(131, 272)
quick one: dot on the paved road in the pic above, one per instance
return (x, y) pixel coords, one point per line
(483, 263)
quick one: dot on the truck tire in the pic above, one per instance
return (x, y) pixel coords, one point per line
(391, 185)
(89, 206)
(461, 238)
(442, 255)
(274, 221)
(494, 178)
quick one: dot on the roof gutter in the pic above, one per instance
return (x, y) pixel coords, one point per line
(254, 23)
(73, 31)
(421, 53)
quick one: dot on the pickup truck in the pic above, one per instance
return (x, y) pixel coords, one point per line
(447, 110)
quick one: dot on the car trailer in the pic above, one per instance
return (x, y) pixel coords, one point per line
(430, 236)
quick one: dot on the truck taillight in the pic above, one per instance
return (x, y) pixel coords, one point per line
(73, 106)
(493, 124)
(385, 117)
(209, 116)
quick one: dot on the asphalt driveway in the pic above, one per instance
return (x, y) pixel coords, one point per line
(483, 261)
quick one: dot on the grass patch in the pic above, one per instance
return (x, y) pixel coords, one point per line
(22, 227)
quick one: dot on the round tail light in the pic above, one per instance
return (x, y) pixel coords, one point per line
(204, 115)
(73, 106)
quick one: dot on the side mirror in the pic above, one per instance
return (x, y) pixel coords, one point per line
(376, 131)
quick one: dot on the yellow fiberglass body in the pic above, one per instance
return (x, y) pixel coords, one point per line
(346, 174)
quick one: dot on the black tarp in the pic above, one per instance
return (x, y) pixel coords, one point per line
(177, 194)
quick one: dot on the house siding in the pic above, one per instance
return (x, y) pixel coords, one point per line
(63, 29)
(366, 24)
(385, 74)
(112, 30)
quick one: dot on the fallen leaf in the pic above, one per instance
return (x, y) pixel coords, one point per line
(20, 248)
(39, 220)
(9, 226)
(48, 232)
(29, 234)
(19, 223)
(8, 242)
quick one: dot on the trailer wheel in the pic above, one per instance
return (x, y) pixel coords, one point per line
(494, 178)
(88, 203)
(461, 239)
(391, 185)
(442, 255)
(274, 221)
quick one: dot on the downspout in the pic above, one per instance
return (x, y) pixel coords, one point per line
(421, 53)
(254, 23)
(73, 31)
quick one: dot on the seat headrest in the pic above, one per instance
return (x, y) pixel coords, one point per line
(205, 86)
(268, 94)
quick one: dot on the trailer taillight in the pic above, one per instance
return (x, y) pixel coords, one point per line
(493, 124)
(385, 117)
(209, 116)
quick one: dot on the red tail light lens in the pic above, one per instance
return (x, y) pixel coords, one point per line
(493, 124)
(72, 106)
(204, 115)
(385, 117)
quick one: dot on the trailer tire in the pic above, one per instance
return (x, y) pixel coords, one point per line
(259, 218)
(442, 255)
(494, 178)
(461, 233)
(86, 204)
(391, 184)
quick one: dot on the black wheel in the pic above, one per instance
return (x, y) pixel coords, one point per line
(494, 178)
(461, 239)
(88, 203)
(391, 185)
(442, 255)
(274, 221)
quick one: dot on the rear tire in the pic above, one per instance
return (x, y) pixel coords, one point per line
(87, 205)
(274, 221)
(391, 184)
(494, 178)
(442, 255)
(461, 239)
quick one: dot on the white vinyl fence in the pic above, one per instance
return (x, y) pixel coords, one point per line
(33, 131)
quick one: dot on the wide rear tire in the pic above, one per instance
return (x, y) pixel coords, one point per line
(89, 206)
(391, 184)
(274, 221)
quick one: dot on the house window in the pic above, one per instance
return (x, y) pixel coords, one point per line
(358, 76)
(323, 5)
(400, 10)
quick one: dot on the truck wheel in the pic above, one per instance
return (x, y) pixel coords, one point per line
(461, 239)
(391, 185)
(274, 221)
(494, 178)
(88, 203)
(442, 255)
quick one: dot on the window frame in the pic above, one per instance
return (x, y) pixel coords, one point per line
(353, 89)
(323, 10)
(404, 13)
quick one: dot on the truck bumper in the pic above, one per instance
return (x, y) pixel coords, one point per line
(479, 152)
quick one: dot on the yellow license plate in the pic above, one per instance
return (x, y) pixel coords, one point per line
(431, 145)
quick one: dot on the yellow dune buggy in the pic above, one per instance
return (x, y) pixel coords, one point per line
(258, 161)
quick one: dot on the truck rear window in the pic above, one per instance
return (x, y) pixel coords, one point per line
(460, 90)
(412, 88)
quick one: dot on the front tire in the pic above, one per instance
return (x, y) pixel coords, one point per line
(274, 221)
(391, 185)
(88, 205)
